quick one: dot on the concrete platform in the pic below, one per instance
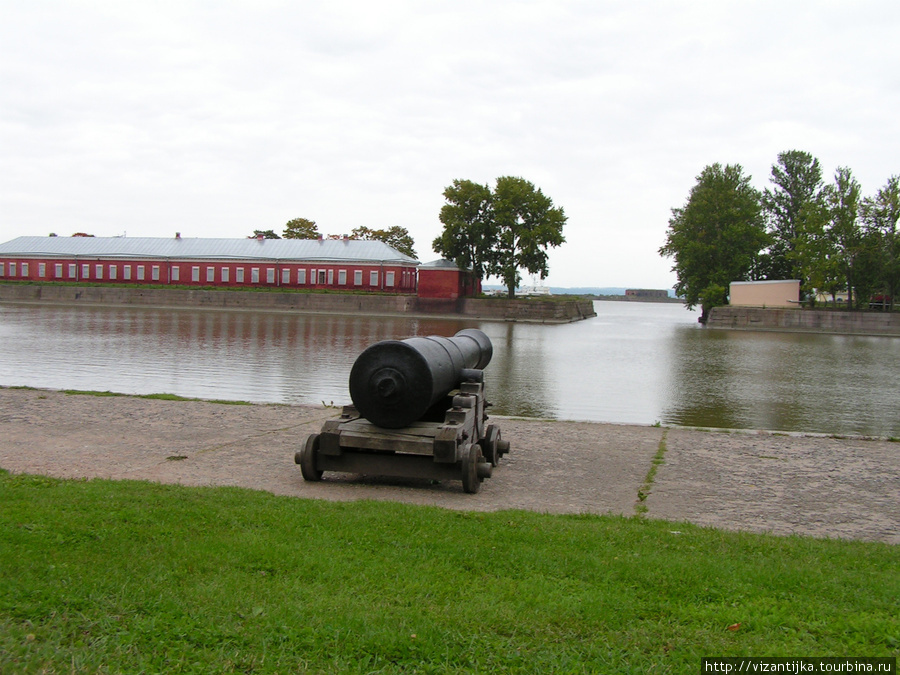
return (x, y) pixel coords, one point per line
(757, 481)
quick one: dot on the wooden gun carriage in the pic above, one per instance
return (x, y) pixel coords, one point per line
(419, 411)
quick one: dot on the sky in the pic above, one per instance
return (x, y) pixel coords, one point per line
(215, 119)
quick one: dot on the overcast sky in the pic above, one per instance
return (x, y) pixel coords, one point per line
(217, 118)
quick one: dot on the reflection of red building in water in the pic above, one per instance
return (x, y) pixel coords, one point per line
(334, 264)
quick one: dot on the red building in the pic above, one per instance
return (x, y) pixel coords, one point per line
(443, 279)
(344, 264)
(288, 263)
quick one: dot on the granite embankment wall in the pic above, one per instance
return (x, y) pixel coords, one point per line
(805, 320)
(530, 310)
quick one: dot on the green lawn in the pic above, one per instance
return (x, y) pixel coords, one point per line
(104, 576)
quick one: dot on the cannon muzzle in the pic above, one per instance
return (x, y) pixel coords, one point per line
(394, 382)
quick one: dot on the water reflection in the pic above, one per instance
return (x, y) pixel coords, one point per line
(633, 363)
(823, 383)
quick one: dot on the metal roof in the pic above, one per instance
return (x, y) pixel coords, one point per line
(332, 250)
(444, 264)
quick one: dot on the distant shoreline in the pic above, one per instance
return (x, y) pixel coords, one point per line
(631, 298)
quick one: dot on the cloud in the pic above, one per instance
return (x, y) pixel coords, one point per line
(215, 119)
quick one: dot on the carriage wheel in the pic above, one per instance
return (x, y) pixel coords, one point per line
(474, 469)
(490, 445)
(306, 458)
(470, 479)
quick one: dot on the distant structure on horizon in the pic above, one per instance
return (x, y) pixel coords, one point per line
(647, 293)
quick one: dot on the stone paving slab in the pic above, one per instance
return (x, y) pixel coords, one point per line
(759, 482)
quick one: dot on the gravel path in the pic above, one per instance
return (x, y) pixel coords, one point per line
(761, 482)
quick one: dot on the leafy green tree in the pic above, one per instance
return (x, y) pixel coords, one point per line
(881, 215)
(797, 183)
(266, 234)
(469, 235)
(301, 228)
(526, 223)
(395, 236)
(716, 237)
(814, 254)
(842, 199)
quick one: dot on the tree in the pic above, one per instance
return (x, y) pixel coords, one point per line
(301, 228)
(468, 236)
(395, 236)
(843, 201)
(881, 215)
(265, 234)
(797, 180)
(716, 237)
(814, 255)
(499, 232)
(526, 223)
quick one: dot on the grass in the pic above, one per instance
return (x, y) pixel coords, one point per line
(105, 576)
(640, 507)
(158, 397)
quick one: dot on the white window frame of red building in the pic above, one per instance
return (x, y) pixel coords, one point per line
(239, 275)
(113, 272)
(301, 277)
(373, 278)
(140, 272)
(126, 273)
(270, 275)
(176, 273)
(225, 274)
(154, 273)
(210, 274)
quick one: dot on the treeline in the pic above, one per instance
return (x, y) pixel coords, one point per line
(303, 228)
(829, 236)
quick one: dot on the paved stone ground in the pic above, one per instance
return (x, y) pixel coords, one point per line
(761, 482)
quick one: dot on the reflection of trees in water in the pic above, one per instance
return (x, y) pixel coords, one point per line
(779, 381)
(700, 381)
(516, 379)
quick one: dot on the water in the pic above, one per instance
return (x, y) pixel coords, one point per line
(634, 363)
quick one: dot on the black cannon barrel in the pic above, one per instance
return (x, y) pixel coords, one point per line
(394, 382)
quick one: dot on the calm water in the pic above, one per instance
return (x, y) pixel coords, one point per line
(634, 363)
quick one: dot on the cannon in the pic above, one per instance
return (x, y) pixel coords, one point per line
(419, 411)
